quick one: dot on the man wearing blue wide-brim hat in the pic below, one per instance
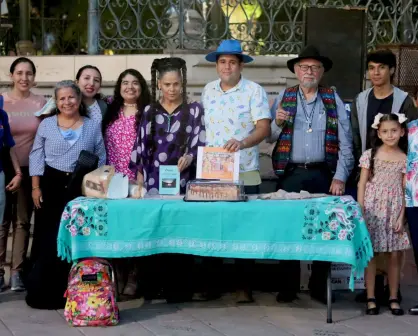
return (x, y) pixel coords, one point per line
(237, 118)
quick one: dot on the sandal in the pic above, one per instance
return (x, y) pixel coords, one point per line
(374, 310)
(395, 311)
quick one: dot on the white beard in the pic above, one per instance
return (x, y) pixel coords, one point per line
(310, 85)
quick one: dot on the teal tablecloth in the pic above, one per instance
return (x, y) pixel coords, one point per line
(328, 229)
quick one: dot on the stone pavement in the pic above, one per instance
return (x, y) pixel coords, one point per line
(223, 317)
(218, 318)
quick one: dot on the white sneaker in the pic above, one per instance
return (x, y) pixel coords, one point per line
(16, 283)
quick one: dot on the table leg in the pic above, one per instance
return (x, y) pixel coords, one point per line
(329, 297)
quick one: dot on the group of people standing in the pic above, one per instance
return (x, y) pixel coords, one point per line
(318, 148)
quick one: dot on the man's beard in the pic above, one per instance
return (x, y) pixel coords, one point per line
(310, 85)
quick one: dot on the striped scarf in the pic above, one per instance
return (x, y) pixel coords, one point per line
(283, 148)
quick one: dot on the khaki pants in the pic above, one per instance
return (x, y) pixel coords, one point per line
(18, 213)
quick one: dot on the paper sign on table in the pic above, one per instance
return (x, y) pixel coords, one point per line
(217, 163)
(169, 180)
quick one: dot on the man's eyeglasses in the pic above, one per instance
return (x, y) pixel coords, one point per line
(314, 68)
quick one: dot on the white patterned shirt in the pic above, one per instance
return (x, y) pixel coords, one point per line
(95, 113)
(50, 148)
(233, 114)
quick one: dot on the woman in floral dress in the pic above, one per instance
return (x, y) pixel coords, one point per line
(381, 196)
(119, 129)
(122, 119)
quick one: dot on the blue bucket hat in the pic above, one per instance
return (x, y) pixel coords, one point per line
(228, 47)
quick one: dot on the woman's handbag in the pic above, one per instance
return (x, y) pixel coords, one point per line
(86, 163)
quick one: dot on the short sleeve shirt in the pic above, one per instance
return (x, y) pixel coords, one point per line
(234, 114)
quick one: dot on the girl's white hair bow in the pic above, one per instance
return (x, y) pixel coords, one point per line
(401, 118)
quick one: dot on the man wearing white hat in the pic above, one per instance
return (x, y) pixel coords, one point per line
(237, 117)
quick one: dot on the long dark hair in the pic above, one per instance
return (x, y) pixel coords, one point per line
(92, 67)
(159, 68)
(376, 142)
(114, 108)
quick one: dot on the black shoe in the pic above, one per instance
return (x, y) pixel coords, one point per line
(321, 296)
(286, 297)
(395, 311)
(413, 310)
(207, 296)
(374, 310)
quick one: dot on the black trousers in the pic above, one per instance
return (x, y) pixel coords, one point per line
(314, 180)
(168, 276)
(243, 270)
(47, 280)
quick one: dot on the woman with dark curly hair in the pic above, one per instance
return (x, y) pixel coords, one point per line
(122, 119)
(119, 130)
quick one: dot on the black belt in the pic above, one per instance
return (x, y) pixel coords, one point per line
(307, 166)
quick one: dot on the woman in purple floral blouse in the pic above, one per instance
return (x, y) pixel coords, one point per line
(170, 132)
(171, 129)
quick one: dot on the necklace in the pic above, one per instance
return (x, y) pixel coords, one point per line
(169, 115)
(124, 114)
(130, 105)
(68, 133)
(305, 112)
(75, 122)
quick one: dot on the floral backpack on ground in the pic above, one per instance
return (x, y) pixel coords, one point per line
(91, 294)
